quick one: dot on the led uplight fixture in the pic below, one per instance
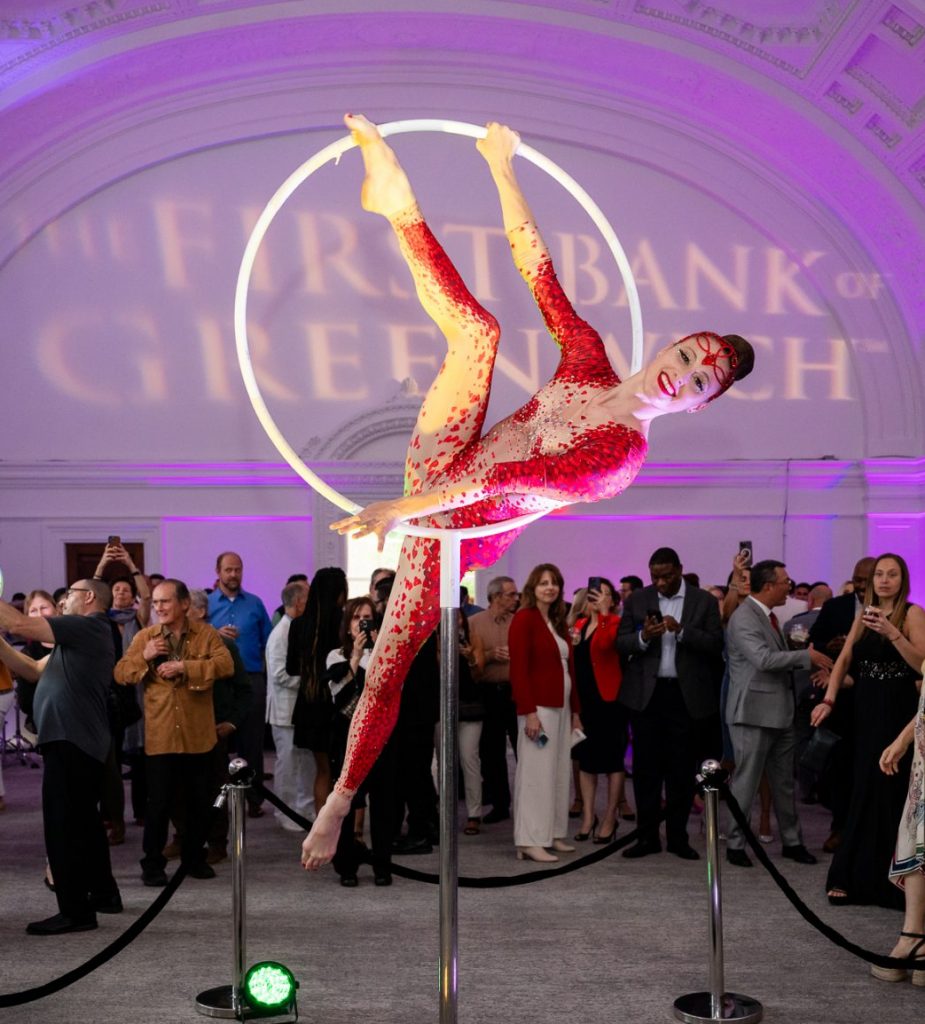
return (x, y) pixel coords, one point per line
(270, 990)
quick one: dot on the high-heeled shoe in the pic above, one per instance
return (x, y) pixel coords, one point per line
(626, 811)
(602, 840)
(536, 853)
(581, 837)
(900, 973)
(561, 846)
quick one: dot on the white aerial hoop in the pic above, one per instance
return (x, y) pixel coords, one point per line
(333, 152)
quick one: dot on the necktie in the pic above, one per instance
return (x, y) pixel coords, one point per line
(775, 624)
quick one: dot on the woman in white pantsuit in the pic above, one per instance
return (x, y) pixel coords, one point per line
(542, 675)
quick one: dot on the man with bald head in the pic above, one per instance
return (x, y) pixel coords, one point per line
(70, 712)
(828, 634)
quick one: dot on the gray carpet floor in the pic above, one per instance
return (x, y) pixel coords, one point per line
(617, 941)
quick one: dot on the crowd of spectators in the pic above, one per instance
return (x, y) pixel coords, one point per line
(801, 695)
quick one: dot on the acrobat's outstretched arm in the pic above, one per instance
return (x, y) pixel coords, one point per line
(598, 467)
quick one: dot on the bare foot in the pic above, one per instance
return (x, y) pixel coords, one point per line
(320, 844)
(386, 189)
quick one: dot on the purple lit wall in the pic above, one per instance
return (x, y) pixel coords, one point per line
(765, 183)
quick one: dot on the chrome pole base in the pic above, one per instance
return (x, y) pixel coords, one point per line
(697, 1008)
(216, 1002)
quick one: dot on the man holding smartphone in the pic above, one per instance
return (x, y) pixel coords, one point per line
(670, 642)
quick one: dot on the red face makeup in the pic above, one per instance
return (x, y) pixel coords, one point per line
(713, 348)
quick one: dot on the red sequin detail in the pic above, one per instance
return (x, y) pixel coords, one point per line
(582, 462)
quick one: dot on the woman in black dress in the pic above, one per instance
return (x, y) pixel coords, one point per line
(881, 659)
(345, 677)
(311, 636)
(597, 668)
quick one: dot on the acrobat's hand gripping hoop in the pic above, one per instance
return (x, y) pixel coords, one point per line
(301, 174)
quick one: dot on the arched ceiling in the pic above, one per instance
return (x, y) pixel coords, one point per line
(823, 100)
(859, 63)
(78, 74)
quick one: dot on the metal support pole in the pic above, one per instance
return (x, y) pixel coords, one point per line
(449, 759)
(717, 1004)
(226, 1000)
(238, 815)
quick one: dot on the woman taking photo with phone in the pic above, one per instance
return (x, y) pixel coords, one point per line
(542, 674)
(345, 677)
(597, 666)
(881, 659)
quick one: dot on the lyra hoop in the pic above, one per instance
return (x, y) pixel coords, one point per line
(301, 174)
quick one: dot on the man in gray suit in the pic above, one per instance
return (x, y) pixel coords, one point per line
(760, 708)
(670, 642)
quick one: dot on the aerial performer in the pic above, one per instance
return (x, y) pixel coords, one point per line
(582, 437)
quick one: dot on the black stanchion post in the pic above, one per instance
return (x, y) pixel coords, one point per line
(226, 1000)
(717, 1004)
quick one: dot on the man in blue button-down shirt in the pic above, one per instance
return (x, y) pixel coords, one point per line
(242, 617)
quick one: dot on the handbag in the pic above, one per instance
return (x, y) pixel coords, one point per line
(816, 755)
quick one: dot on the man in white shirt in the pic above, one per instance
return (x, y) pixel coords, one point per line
(293, 774)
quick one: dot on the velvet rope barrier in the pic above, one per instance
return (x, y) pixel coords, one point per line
(489, 881)
(802, 909)
(105, 955)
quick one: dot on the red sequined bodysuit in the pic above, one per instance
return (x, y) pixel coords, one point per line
(555, 450)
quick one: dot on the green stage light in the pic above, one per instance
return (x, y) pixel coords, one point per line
(269, 988)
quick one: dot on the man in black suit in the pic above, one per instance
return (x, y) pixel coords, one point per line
(670, 642)
(828, 634)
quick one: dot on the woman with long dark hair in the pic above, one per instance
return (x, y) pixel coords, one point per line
(345, 677)
(882, 659)
(315, 633)
(542, 682)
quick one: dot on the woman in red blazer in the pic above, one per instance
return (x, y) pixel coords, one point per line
(542, 674)
(598, 673)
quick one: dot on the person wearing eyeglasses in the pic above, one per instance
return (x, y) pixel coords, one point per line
(70, 712)
(177, 663)
(760, 708)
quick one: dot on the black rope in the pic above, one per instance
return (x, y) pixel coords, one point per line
(105, 955)
(487, 882)
(280, 806)
(523, 877)
(802, 909)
